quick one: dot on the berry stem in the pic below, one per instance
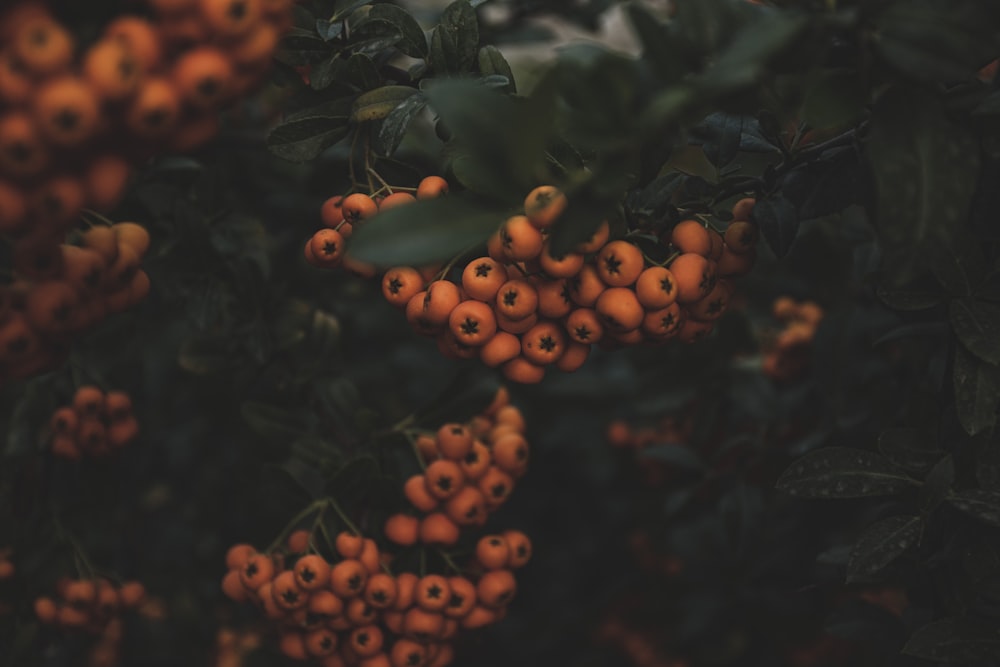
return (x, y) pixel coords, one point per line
(449, 561)
(343, 517)
(290, 526)
(416, 452)
(386, 186)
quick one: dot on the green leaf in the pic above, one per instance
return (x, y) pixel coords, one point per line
(925, 170)
(379, 103)
(460, 28)
(977, 392)
(362, 72)
(271, 421)
(397, 122)
(909, 299)
(834, 97)
(425, 232)
(658, 45)
(305, 138)
(744, 60)
(778, 222)
(413, 42)
(880, 544)
(444, 53)
(984, 505)
(841, 472)
(912, 449)
(374, 36)
(955, 639)
(977, 325)
(491, 62)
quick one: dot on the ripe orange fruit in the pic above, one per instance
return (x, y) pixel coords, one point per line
(380, 592)
(516, 299)
(105, 181)
(441, 298)
(656, 288)
(415, 490)
(692, 331)
(286, 592)
(454, 440)
(348, 578)
(735, 264)
(43, 46)
(741, 237)
(713, 305)
(544, 343)
(522, 371)
(462, 598)
(496, 485)
(320, 642)
(436, 528)
(473, 323)
(619, 310)
(619, 264)
(475, 464)
(432, 187)
(258, 570)
(566, 266)
(141, 38)
(467, 507)
(544, 205)
(695, 277)
(68, 111)
(444, 479)
(408, 653)
(422, 625)
(203, 76)
(520, 548)
(400, 284)
(312, 572)
(662, 323)
(155, 109)
(741, 209)
(230, 18)
(496, 588)
(111, 70)
(22, 150)
(520, 239)
(402, 529)
(586, 286)
(584, 326)
(57, 201)
(691, 236)
(717, 245)
(516, 327)
(492, 552)
(396, 199)
(482, 278)
(574, 357)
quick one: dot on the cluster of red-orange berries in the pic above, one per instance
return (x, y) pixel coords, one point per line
(471, 470)
(64, 289)
(73, 122)
(88, 604)
(522, 309)
(94, 424)
(232, 646)
(350, 609)
(787, 356)
(621, 433)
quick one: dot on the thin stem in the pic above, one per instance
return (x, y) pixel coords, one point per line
(454, 260)
(448, 560)
(290, 526)
(371, 170)
(343, 517)
(368, 163)
(350, 161)
(416, 450)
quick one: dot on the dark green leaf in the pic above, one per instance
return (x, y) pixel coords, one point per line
(977, 392)
(444, 53)
(271, 421)
(840, 472)
(938, 483)
(397, 122)
(955, 639)
(329, 30)
(977, 325)
(658, 45)
(778, 222)
(425, 232)
(491, 62)
(913, 449)
(880, 544)
(721, 134)
(925, 170)
(909, 299)
(984, 505)
(834, 97)
(743, 61)
(459, 22)
(413, 42)
(305, 138)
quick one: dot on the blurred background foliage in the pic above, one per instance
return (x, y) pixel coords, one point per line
(871, 139)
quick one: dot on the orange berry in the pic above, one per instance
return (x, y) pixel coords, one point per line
(286, 592)
(522, 371)
(441, 298)
(496, 485)
(432, 187)
(46, 610)
(520, 239)
(415, 490)
(203, 76)
(512, 416)
(331, 212)
(43, 46)
(369, 556)
(358, 207)
(408, 653)
(327, 246)
(516, 300)
(554, 299)
(312, 572)
(472, 323)
(544, 343)
(574, 357)
(22, 150)
(406, 586)
(735, 264)
(422, 625)
(467, 507)
(111, 70)
(695, 277)
(475, 464)
(396, 199)
(500, 349)
(663, 323)
(520, 548)
(380, 592)
(438, 529)
(349, 545)
(516, 327)
(230, 18)
(400, 284)
(348, 578)
(482, 278)
(741, 209)
(402, 529)
(366, 641)
(656, 288)
(714, 305)
(155, 109)
(741, 237)
(462, 597)
(68, 111)
(619, 310)
(320, 642)
(292, 645)
(496, 588)
(105, 179)
(692, 331)
(566, 266)
(431, 592)
(691, 236)
(510, 453)
(717, 245)
(619, 264)
(544, 205)
(586, 286)
(140, 36)
(444, 479)
(454, 440)
(492, 552)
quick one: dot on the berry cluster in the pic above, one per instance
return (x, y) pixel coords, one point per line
(63, 289)
(523, 309)
(94, 424)
(232, 646)
(91, 605)
(787, 356)
(471, 470)
(327, 248)
(343, 605)
(622, 434)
